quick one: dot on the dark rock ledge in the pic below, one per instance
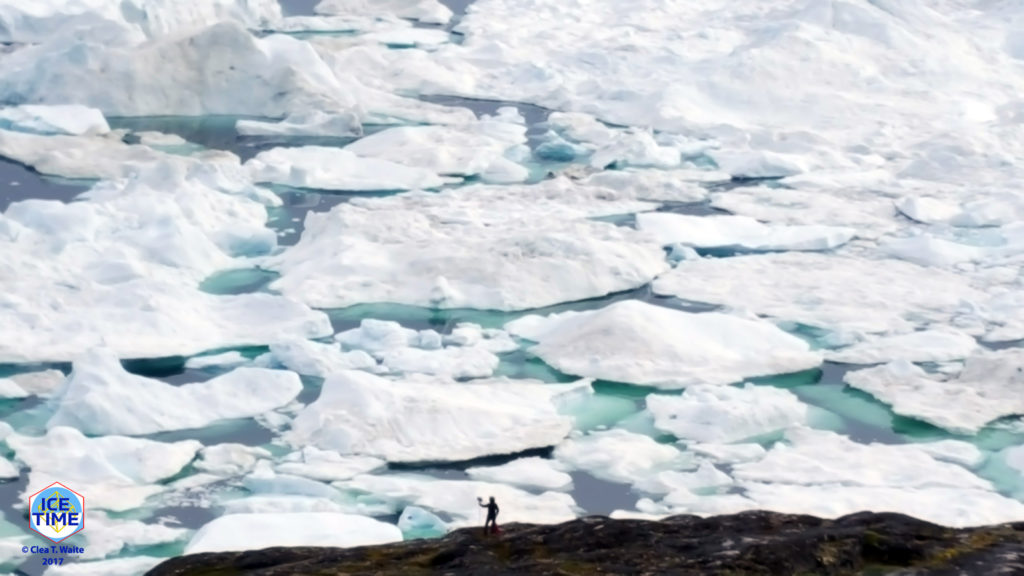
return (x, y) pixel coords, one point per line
(747, 543)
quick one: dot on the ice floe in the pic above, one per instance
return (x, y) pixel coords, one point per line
(122, 270)
(8, 470)
(101, 398)
(224, 360)
(415, 522)
(222, 69)
(481, 148)
(618, 455)
(229, 459)
(456, 499)
(531, 472)
(143, 18)
(817, 457)
(118, 473)
(41, 384)
(657, 185)
(430, 419)
(318, 359)
(305, 123)
(426, 249)
(738, 233)
(68, 119)
(9, 389)
(986, 389)
(991, 210)
(336, 169)
(922, 346)
(426, 11)
(256, 531)
(326, 465)
(725, 414)
(639, 343)
(833, 292)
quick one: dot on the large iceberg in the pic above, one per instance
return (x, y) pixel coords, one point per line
(118, 473)
(222, 69)
(256, 531)
(122, 270)
(486, 247)
(986, 389)
(639, 343)
(430, 419)
(101, 398)
(827, 291)
(43, 19)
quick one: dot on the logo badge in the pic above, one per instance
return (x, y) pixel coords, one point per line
(57, 512)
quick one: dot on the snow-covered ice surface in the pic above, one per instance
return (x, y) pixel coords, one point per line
(430, 419)
(486, 247)
(639, 343)
(89, 400)
(987, 388)
(783, 237)
(256, 531)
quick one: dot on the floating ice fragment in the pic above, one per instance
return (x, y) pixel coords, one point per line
(639, 343)
(257, 531)
(101, 398)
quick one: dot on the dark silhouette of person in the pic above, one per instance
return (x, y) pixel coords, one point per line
(492, 515)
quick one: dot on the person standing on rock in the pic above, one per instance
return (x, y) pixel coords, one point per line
(492, 515)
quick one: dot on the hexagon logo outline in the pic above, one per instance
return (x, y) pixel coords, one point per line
(45, 515)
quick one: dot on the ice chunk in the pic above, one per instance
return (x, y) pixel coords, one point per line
(814, 457)
(111, 536)
(118, 473)
(415, 522)
(532, 472)
(757, 164)
(305, 123)
(457, 499)
(9, 389)
(430, 419)
(257, 531)
(84, 156)
(472, 362)
(227, 360)
(67, 119)
(729, 453)
(986, 389)
(633, 147)
(265, 480)
(8, 470)
(831, 292)
(926, 210)
(639, 343)
(326, 465)
(618, 455)
(459, 150)
(927, 250)
(377, 336)
(739, 233)
(955, 451)
(922, 346)
(336, 169)
(221, 69)
(145, 319)
(426, 11)
(128, 566)
(724, 414)
(956, 507)
(229, 459)
(993, 210)
(318, 359)
(705, 477)
(485, 247)
(94, 398)
(664, 185)
(41, 384)
(278, 504)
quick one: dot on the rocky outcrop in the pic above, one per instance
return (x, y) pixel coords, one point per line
(747, 543)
